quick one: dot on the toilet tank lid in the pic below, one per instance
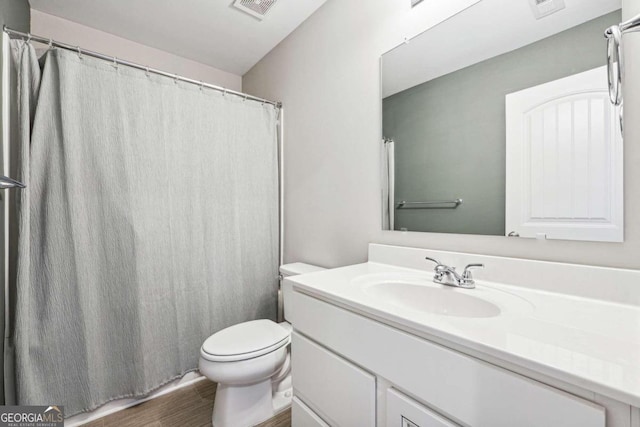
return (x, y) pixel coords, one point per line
(296, 268)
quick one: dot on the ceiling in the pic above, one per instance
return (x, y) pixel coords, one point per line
(487, 29)
(211, 32)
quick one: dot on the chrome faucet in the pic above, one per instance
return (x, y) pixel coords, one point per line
(448, 276)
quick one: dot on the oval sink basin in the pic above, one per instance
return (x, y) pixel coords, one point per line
(448, 302)
(418, 292)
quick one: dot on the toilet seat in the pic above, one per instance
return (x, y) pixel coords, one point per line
(245, 341)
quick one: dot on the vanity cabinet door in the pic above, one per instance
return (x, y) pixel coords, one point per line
(338, 391)
(402, 411)
(302, 416)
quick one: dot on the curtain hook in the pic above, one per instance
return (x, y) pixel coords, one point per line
(201, 85)
(175, 79)
(79, 52)
(29, 38)
(224, 93)
(115, 62)
(245, 98)
(50, 43)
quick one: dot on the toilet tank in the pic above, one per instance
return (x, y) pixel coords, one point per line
(286, 288)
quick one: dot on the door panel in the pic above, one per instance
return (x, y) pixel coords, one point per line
(564, 161)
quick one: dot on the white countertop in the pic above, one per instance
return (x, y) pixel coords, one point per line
(589, 343)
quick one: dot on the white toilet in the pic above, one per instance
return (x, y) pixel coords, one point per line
(250, 363)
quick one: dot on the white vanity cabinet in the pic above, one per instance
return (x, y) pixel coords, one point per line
(351, 371)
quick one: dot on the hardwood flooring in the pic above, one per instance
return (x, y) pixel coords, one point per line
(188, 407)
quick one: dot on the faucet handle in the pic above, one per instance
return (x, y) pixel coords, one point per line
(466, 275)
(439, 266)
(433, 260)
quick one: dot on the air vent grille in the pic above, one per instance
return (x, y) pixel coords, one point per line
(256, 8)
(542, 8)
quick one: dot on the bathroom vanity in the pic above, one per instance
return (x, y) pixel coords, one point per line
(380, 344)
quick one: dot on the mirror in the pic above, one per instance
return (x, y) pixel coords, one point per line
(498, 122)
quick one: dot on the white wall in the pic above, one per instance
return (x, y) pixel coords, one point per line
(327, 74)
(89, 38)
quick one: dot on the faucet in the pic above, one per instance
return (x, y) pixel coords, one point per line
(445, 275)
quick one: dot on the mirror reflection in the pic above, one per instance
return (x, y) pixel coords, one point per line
(498, 122)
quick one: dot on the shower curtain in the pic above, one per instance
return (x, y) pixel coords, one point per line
(388, 184)
(149, 222)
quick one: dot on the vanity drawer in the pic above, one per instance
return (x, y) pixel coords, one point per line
(402, 411)
(337, 390)
(465, 389)
(302, 416)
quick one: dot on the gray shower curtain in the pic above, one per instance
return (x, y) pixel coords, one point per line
(149, 222)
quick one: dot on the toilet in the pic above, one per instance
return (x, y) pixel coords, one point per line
(250, 363)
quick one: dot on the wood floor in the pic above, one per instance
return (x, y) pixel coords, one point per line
(188, 407)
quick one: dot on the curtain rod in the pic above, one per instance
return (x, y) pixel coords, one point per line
(50, 42)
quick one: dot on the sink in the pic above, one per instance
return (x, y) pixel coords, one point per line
(438, 300)
(418, 292)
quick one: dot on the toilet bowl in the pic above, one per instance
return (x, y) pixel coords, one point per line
(250, 363)
(244, 360)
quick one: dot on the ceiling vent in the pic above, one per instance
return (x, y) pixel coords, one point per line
(542, 8)
(256, 8)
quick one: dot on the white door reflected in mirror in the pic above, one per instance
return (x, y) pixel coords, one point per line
(564, 170)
